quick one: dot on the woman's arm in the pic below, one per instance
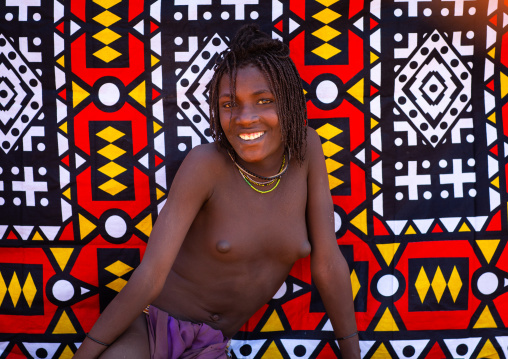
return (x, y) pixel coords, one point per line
(191, 188)
(330, 270)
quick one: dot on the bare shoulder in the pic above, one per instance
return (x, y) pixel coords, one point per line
(314, 149)
(207, 158)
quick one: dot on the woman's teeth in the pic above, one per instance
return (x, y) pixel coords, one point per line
(251, 136)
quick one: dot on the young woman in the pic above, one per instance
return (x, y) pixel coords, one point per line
(239, 214)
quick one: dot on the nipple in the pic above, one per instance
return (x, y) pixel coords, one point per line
(223, 246)
(215, 317)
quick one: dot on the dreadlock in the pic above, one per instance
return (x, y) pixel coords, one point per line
(251, 46)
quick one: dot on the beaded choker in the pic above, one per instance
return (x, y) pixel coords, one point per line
(252, 178)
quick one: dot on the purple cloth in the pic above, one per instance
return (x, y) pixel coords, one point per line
(171, 338)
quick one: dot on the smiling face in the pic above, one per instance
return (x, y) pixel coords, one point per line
(251, 123)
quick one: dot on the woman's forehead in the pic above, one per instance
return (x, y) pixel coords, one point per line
(248, 78)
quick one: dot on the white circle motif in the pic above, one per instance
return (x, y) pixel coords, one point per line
(443, 163)
(109, 94)
(472, 11)
(282, 290)
(398, 12)
(16, 201)
(445, 12)
(327, 91)
(9, 16)
(399, 196)
(37, 41)
(15, 170)
(398, 141)
(178, 16)
(41, 147)
(178, 41)
(426, 164)
(427, 195)
(42, 171)
(207, 15)
(63, 290)
(224, 15)
(398, 37)
(488, 283)
(471, 162)
(254, 15)
(427, 12)
(37, 16)
(472, 192)
(44, 202)
(399, 165)
(470, 34)
(388, 285)
(182, 147)
(337, 221)
(115, 226)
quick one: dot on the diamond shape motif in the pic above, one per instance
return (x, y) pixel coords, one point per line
(438, 284)
(106, 4)
(326, 33)
(332, 165)
(106, 36)
(328, 131)
(20, 95)
(110, 134)
(3, 289)
(14, 289)
(111, 152)
(327, 16)
(112, 169)
(106, 18)
(355, 284)
(6, 94)
(119, 268)
(327, 3)
(117, 284)
(454, 283)
(29, 290)
(326, 51)
(432, 90)
(422, 284)
(107, 54)
(330, 148)
(112, 187)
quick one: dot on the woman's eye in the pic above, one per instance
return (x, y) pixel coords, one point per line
(227, 105)
(265, 101)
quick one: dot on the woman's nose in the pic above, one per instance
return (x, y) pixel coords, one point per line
(247, 114)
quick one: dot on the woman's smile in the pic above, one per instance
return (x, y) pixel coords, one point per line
(250, 136)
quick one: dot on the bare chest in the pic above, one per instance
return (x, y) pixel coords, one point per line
(239, 224)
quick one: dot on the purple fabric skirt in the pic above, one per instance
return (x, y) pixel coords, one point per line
(171, 338)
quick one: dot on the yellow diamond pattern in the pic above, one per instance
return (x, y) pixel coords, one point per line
(332, 165)
(326, 16)
(422, 284)
(112, 169)
(355, 284)
(29, 290)
(119, 268)
(111, 152)
(107, 54)
(438, 284)
(330, 148)
(334, 182)
(14, 289)
(454, 284)
(328, 131)
(326, 51)
(112, 187)
(117, 284)
(326, 33)
(327, 2)
(110, 134)
(106, 36)
(106, 18)
(106, 4)
(3, 289)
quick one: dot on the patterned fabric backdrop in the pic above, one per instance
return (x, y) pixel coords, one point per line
(100, 100)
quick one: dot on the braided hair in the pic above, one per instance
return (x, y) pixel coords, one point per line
(250, 46)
